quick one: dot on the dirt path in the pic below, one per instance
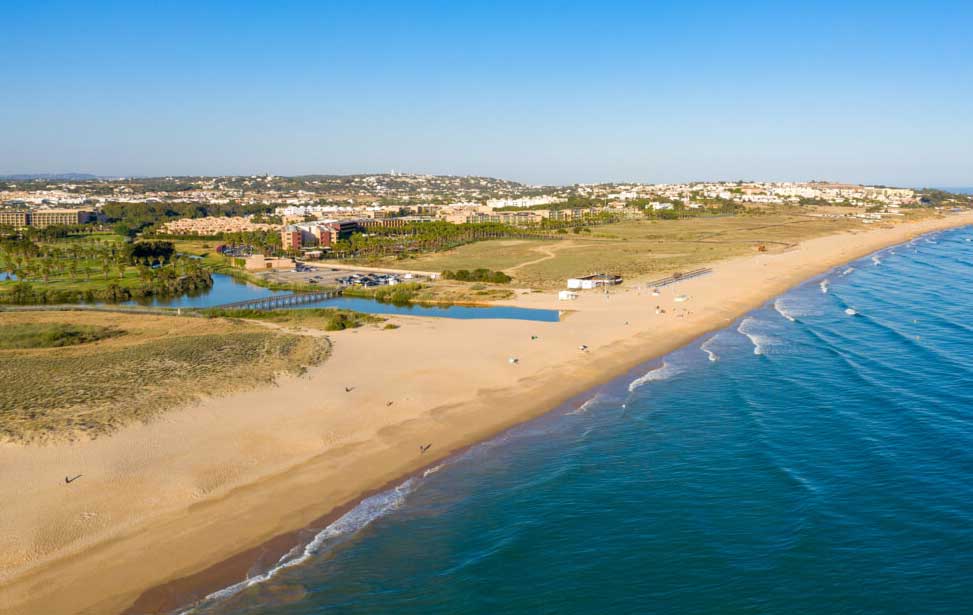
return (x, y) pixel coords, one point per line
(548, 253)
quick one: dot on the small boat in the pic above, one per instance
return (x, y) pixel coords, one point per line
(850, 312)
(680, 298)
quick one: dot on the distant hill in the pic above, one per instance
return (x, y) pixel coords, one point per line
(49, 176)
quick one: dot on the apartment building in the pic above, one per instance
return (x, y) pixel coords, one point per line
(16, 219)
(42, 218)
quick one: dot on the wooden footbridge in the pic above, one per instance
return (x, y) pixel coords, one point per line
(680, 277)
(275, 302)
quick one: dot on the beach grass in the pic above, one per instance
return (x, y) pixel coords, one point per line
(52, 335)
(130, 368)
(634, 248)
(325, 319)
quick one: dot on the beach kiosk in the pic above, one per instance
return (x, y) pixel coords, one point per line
(594, 280)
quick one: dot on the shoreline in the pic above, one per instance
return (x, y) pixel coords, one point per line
(392, 462)
(179, 595)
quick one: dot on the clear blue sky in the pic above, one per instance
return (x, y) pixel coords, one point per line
(543, 92)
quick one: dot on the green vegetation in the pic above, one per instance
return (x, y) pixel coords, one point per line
(94, 268)
(52, 335)
(127, 219)
(439, 293)
(160, 362)
(930, 197)
(423, 237)
(477, 275)
(327, 319)
(400, 294)
(634, 248)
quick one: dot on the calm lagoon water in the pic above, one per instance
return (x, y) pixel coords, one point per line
(451, 311)
(801, 461)
(229, 290)
(225, 289)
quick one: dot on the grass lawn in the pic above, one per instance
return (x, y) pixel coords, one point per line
(148, 365)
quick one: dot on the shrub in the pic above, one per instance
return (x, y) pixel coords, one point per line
(477, 275)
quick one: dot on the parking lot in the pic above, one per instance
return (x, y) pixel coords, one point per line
(326, 276)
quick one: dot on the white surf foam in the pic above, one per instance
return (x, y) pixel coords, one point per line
(782, 310)
(759, 341)
(876, 260)
(848, 271)
(348, 524)
(824, 286)
(706, 347)
(660, 373)
(433, 470)
(587, 405)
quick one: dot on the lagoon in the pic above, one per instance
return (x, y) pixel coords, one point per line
(227, 289)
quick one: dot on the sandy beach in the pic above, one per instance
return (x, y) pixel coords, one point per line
(232, 479)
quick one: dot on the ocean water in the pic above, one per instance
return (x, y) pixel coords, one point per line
(803, 460)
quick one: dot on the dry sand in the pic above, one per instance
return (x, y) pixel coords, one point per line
(163, 501)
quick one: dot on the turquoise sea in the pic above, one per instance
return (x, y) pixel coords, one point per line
(803, 460)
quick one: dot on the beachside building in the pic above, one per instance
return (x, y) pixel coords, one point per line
(259, 262)
(594, 280)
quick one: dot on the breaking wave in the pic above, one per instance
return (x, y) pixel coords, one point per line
(662, 372)
(705, 347)
(433, 470)
(824, 285)
(589, 404)
(876, 260)
(350, 523)
(782, 310)
(760, 342)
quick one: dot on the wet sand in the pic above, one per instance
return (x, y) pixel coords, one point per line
(186, 505)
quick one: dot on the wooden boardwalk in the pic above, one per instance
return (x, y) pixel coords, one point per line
(695, 273)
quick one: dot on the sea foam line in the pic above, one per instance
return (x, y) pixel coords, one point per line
(705, 347)
(660, 373)
(587, 405)
(780, 309)
(353, 521)
(759, 341)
